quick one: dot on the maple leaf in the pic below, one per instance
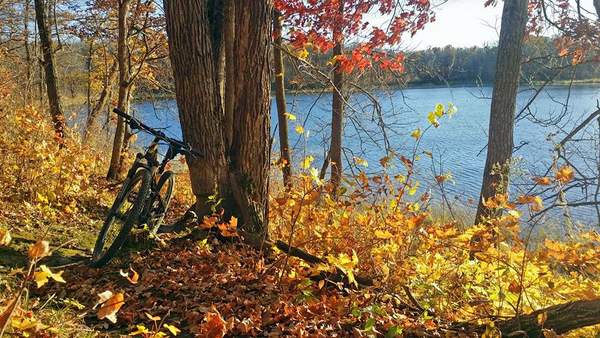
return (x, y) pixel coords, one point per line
(39, 250)
(110, 305)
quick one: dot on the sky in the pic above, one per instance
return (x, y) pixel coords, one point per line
(464, 23)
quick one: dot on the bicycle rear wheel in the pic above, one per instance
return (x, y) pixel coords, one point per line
(123, 215)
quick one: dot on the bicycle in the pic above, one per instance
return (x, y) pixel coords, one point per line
(145, 195)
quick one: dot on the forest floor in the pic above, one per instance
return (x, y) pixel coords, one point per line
(191, 282)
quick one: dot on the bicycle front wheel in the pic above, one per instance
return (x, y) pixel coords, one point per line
(123, 215)
(161, 201)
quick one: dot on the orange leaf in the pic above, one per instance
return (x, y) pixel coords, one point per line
(133, 279)
(543, 180)
(214, 326)
(39, 250)
(110, 307)
(565, 174)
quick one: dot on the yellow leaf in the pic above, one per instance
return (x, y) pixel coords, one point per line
(451, 109)
(361, 161)
(416, 133)
(41, 277)
(39, 249)
(110, 307)
(290, 116)
(302, 53)
(151, 317)
(439, 110)
(307, 161)
(5, 237)
(432, 119)
(139, 329)
(383, 234)
(299, 129)
(174, 330)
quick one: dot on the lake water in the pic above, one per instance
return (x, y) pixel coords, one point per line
(458, 145)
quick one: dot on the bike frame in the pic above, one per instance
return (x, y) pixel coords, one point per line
(149, 161)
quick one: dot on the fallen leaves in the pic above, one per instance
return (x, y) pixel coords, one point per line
(214, 325)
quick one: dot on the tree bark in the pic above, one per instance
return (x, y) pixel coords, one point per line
(56, 112)
(238, 174)
(193, 60)
(230, 76)
(337, 112)
(102, 101)
(284, 145)
(502, 115)
(122, 103)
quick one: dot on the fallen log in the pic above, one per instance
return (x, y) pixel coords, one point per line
(559, 318)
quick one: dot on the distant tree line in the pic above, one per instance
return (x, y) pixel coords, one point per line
(452, 65)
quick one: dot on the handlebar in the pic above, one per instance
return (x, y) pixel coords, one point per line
(137, 124)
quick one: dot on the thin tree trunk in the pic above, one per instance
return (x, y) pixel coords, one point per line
(56, 112)
(284, 146)
(337, 112)
(89, 78)
(102, 101)
(122, 56)
(502, 115)
(28, 72)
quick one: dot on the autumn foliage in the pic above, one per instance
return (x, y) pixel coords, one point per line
(428, 275)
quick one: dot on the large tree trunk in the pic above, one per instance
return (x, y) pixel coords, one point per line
(56, 112)
(194, 61)
(122, 104)
(237, 173)
(337, 112)
(102, 101)
(250, 149)
(284, 146)
(500, 139)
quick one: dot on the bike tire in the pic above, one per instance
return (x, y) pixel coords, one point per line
(101, 257)
(168, 178)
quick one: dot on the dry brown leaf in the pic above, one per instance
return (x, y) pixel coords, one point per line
(214, 325)
(39, 249)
